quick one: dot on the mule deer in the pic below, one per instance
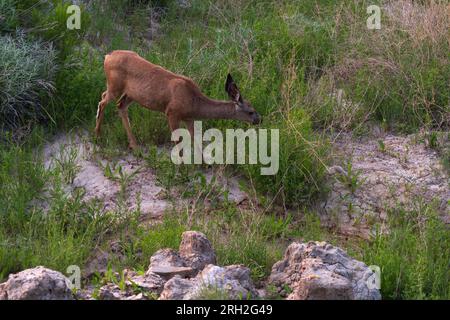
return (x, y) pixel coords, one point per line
(130, 77)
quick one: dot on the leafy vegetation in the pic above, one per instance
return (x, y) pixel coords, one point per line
(309, 67)
(40, 224)
(413, 256)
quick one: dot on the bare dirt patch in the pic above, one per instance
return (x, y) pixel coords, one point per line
(385, 172)
(125, 183)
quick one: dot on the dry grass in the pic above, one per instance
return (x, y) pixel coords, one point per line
(398, 73)
(428, 22)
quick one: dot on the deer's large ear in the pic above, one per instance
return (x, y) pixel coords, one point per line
(232, 89)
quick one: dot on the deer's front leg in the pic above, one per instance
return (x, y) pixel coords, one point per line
(190, 127)
(197, 145)
(174, 124)
(123, 113)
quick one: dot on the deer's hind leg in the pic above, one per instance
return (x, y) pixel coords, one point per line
(106, 98)
(122, 106)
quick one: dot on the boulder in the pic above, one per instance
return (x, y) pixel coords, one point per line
(176, 288)
(150, 283)
(3, 295)
(167, 263)
(196, 250)
(168, 270)
(320, 271)
(232, 282)
(166, 257)
(36, 284)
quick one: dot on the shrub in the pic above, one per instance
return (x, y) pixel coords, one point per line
(27, 71)
(47, 21)
(79, 86)
(301, 171)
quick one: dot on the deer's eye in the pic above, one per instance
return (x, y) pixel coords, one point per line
(251, 113)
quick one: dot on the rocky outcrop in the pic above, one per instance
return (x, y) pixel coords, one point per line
(313, 270)
(195, 252)
(36, 284)
(320, 271)
(231, 282)
(183, 274)
(176, 289)
(91, 176)
(167, 263)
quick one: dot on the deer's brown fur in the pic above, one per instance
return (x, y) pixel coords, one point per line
(130, 77)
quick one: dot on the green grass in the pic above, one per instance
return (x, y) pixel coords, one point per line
(413, 256)
(65, 234)
(288, 59)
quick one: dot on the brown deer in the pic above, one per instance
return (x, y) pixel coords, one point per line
(130, 77)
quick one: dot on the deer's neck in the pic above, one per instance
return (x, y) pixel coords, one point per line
(207, 108)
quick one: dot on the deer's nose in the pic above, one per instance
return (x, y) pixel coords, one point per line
(257, 119)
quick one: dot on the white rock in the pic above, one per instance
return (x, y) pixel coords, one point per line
(320, 271)
(233, 282)
(36, 284)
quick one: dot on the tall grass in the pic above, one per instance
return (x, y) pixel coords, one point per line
(8, 15)
(27, 71)
(414, 256)
(397, 75)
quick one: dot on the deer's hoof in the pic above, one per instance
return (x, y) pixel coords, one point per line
(133, 146)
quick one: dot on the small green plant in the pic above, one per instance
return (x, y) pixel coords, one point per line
(381, 146)
(54, 229)
(212, 293)
(351, 178)
(169, 175)
(116, 172)
(432, 140)
(272, 293)
(67, 163)
(142, 242)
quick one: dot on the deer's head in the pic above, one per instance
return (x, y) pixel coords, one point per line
(244, 111)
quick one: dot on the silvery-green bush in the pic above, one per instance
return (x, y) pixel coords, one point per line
(27, 70)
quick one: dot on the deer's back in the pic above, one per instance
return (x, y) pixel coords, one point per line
(144, 82)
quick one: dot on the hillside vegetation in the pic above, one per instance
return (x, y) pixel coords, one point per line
(312, 69)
